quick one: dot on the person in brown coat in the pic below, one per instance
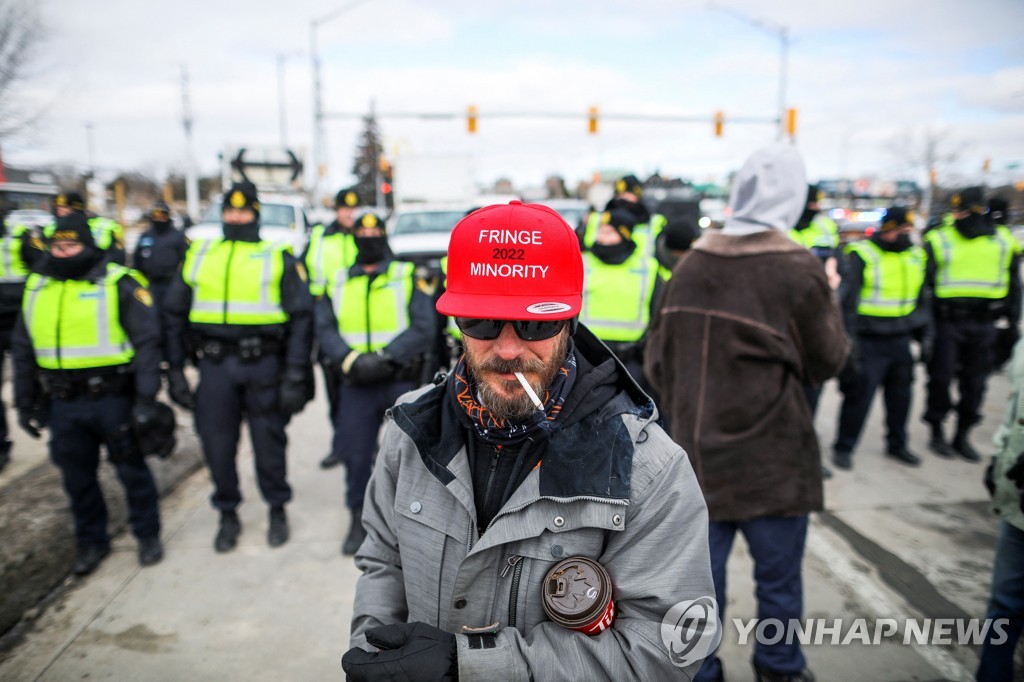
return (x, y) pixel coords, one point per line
(747, 319)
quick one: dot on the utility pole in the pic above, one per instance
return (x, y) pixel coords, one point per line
(319, 143)
(281, 99)
(782, 33)
(191, 179)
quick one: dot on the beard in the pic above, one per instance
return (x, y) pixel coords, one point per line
(506, 399)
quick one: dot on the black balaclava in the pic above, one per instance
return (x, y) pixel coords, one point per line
(615, 254)
(73, 227)
(370, 249)
(243, 195)
(160, 217)
(808, 215)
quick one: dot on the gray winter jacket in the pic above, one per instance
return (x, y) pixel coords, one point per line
(612, 486)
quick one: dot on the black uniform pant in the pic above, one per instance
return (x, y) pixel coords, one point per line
(77, 429)
(230, 390)
(963, 350)
(886, 361)
(355, 431)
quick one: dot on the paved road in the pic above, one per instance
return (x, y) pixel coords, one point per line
(895, 543)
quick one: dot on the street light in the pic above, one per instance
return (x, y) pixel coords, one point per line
(782, 33)
(319, 162)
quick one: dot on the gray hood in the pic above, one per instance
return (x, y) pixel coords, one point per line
(769, 192)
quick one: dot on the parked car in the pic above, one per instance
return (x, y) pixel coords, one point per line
(29, 217)
(574, 211)
(419, 233)
(282, 220)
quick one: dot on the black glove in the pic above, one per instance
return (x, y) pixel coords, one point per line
(852, 370)
(144, 412)
(177, 387)
(1016, 474)
(989, 478)
(927, 349)
(291, 397)
(1006, 339)
(371, 368)
(415, 652)
(33, 419)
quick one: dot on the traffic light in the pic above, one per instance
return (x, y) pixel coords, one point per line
(986, 165)
(385, 188)
(384, 165)
(592, 121)
(791, 122)
(719, 120)
(471, 119)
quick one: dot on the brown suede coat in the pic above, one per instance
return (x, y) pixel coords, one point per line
(746, 321)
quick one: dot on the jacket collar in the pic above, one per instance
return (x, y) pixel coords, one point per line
(756, 243)
(591, 457)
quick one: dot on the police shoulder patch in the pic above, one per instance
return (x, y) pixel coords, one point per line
(427, 286)
(301, 269)
(144, 297)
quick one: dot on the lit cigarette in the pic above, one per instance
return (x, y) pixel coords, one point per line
(529, 391)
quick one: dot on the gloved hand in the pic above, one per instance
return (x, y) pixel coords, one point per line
(33, 419)
(415, 652)
(1006, 339)
(853, 369)
(989, 478)
(1016, 474)
(927, 351)
(144, 412)
(177, 387)
(291, 396)
(369, 368)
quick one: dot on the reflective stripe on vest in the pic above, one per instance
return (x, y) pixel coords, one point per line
(892, 281)
(12, 269)
(75, 324)
(328, 256)
(617, 298)
(971, 268)
(235, 282)
(372, 314)
(821, 233)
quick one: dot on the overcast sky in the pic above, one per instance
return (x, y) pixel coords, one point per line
(862, 75)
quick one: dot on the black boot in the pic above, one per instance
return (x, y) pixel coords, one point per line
(964, 447)
(762, 675)
(151, 551)
(904, 455)
(842, 459)
(227, 534)
(938, 442)
(356, 534)
(89, 559)
(277, 533)
(330, 461)
(5, 453)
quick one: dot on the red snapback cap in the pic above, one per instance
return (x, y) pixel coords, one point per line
(513, 261)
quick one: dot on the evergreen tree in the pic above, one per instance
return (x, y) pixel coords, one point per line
(368, 167)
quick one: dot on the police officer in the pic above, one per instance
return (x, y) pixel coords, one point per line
(974, 279)
(19, 251)
(628, 193)
(622, 292)
(246, 305)
(108, 235)
(159, 253)
(818, 233)
(374, 324)
(85, 348)
(332, 250)
(883, 307)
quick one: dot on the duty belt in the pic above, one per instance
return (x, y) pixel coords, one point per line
(247, 348)
(71, 387)
(987, 312)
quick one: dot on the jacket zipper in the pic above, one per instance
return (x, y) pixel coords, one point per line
(369, 330)
(490, 476)
(60, 312)
(514, 562)
(227, 281)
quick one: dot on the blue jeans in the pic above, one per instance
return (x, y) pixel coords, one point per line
(777, 547)
(1007, 602)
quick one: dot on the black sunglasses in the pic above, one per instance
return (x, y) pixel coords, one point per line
(527, 330)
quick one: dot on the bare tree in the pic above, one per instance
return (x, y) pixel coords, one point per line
(931, 153)
(20, 38)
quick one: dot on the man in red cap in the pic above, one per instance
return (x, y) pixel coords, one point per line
(537, 447)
